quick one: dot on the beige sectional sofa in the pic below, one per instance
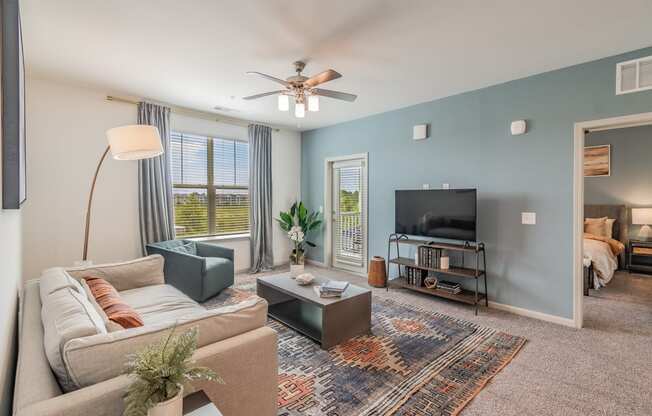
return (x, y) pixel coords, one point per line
(71, 363)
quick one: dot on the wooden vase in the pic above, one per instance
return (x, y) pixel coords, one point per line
(377, 276)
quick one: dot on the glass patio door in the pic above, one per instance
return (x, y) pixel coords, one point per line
(349, 205)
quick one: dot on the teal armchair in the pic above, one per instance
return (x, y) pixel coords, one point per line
(199, 270)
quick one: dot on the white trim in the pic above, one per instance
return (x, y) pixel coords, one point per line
(328, 214)
(559, 320)
(227, 237)
(316, 263)
(321, 265)
(578, 196)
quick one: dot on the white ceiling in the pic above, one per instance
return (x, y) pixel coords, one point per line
(391, 53)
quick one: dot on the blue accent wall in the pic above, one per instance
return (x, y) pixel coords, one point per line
(630, 182)
(470, 146)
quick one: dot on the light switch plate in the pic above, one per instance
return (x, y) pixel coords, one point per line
(445, 186)
(528, 218)
(425, 186)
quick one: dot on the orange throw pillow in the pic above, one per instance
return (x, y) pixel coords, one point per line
(110, 301)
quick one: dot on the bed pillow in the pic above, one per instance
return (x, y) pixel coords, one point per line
(609, 228)
(114, 307)
(596, 226)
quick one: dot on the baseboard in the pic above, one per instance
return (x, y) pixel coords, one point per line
(533, 314)
(316, 263)
(276, 266)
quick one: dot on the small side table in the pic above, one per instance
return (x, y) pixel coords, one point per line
(198, 404)
(640, 256)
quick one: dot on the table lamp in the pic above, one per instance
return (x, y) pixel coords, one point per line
(133, 142)
(643, 216)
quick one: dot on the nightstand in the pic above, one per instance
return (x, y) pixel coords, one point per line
(640, 256)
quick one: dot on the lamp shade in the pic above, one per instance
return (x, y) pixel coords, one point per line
(642, 216)
(134, 142)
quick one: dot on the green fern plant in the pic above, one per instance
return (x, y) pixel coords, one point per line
(161, 370)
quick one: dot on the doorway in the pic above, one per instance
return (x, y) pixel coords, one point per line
(346, 213)
(580, 132)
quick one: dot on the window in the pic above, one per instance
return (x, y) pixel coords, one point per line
(210, 178)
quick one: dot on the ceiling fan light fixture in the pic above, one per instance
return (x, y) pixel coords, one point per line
(299, 110)
(313, 103)
(283, 102)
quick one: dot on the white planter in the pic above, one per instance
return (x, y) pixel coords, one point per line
(296, 269)
(172, 407)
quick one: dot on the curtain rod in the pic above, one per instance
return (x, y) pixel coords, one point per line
(192, 113)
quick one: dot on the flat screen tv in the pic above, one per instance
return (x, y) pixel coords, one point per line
(437, 213)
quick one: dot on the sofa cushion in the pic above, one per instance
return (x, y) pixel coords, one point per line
(141, 272)
(55, 279)
(66, 315)
(116, 309)
(218, 262)
(93, 359)
(160, 303)
(110, 325)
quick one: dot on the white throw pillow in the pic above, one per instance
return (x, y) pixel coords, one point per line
(55, 279)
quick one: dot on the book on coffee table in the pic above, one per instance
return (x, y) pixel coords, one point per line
(335, 286)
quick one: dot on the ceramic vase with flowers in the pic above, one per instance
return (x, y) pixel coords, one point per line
(297, 223)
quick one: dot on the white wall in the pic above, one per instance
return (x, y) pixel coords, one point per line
(10, 279)
(66, 126)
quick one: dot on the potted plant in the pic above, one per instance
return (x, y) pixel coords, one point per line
(297, 223)
(161, 370)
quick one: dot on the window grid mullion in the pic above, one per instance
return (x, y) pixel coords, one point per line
(210, 189)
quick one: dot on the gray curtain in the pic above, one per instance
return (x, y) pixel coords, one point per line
(155, 206)
(260, 195)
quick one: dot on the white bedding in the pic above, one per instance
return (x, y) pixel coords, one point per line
(604, 261)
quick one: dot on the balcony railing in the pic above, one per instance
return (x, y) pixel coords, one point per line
(350, 235)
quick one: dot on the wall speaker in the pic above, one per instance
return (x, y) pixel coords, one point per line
(420, 132)
(518, 127)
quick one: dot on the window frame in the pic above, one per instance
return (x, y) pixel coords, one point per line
(211, 190)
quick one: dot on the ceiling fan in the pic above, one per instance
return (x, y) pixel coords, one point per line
(302, 88)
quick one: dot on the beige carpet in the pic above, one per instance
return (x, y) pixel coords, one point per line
(602, 369)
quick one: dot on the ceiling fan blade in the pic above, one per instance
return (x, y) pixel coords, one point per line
(271, 78)
(334, 94)
(325, 76)
(265, 94)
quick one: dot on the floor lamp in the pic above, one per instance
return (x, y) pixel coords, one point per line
(134, 142)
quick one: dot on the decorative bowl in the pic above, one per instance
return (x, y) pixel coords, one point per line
(305, 279)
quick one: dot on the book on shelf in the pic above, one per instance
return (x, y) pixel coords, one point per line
(428, 257)
(415, 276)
(450, 287)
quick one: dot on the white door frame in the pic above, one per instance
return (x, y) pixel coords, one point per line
(578, 196)
(328, 212)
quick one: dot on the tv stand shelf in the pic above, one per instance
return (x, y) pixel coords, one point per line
(474, 250)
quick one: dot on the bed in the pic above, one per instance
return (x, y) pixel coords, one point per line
(603, 255)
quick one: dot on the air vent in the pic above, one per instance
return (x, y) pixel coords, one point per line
(634, 76)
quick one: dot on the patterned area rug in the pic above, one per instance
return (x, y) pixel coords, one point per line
(415, 362)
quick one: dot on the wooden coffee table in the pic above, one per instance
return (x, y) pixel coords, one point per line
(328, 321)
